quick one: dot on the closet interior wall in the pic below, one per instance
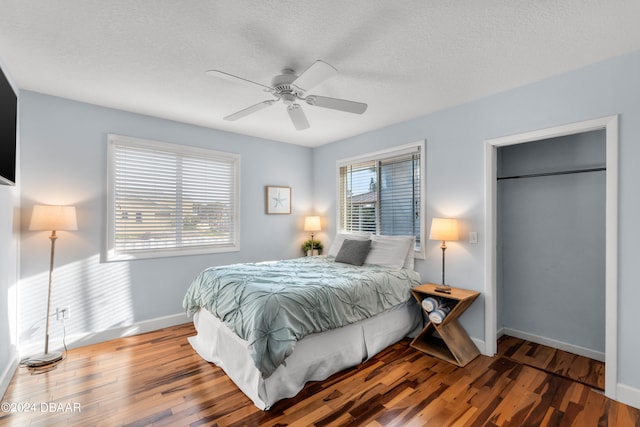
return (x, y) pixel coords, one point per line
(551, 242)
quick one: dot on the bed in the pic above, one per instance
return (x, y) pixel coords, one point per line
(273, 326)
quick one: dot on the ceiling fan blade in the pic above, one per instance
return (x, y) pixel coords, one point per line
(232, 78)
(249, 110)
(336, 104)
(298, 117)
(318, 72)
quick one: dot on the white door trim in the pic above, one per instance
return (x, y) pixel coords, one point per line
(610, 124)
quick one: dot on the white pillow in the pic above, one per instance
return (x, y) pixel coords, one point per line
(392, 251)
(337, 242)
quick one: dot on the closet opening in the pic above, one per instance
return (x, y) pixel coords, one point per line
(551, 239)
(551, 255)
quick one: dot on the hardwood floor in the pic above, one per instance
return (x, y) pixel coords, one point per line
(577, 368)
(157, 379)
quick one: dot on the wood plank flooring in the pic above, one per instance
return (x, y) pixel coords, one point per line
(577, 368)
(156, 379)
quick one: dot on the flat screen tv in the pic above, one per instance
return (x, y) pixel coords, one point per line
(8, 131)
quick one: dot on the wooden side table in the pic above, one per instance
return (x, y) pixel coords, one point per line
(452, 342)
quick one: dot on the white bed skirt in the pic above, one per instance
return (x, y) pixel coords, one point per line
(315, 358)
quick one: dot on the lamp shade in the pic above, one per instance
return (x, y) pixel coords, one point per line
(312, 223)
(46, 217)
(445, 229)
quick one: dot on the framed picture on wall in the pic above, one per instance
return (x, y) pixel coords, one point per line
(278, 200)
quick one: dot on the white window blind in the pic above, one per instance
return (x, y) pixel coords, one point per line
(383, 194)
(168, 199)
(358, 195)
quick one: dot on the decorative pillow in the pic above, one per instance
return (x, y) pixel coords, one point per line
(392, 251)
(353, 251)
(337, 242)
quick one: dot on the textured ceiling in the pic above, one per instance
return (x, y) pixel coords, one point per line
(403, 58)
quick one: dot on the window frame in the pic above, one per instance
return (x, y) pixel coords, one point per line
(385, 154)
(110, 253)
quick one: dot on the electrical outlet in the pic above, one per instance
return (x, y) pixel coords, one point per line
(63, 313)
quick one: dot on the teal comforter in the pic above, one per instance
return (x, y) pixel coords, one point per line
(272, 305)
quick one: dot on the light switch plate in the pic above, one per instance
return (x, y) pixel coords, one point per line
(473, 237)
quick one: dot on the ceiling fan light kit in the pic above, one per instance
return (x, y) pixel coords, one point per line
(289, 88)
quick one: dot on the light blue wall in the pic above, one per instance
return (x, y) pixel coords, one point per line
(64, 146)
(455, 173)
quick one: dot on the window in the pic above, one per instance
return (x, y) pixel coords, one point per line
(167, 199)
(383, 193)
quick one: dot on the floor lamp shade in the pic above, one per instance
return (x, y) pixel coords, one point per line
(50, 218)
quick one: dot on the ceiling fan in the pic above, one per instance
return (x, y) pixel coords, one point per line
(290, 88)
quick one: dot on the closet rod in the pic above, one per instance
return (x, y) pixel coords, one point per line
(535, 175)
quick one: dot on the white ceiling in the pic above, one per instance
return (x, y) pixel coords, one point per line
(403, 58)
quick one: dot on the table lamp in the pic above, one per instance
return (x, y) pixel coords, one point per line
(312, 223)
(443, 229)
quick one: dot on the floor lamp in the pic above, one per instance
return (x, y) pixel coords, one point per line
(50, 218)
(443, 229)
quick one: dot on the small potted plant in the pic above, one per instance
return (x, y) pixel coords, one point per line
(317, 247)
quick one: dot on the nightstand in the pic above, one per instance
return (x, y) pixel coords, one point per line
(447, 340)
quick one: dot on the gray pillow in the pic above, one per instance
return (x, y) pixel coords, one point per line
(353, 251)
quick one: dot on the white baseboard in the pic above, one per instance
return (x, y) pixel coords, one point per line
(571, 348)
(628, 395)
(9, 371)
(481, 345)
(81, 340)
